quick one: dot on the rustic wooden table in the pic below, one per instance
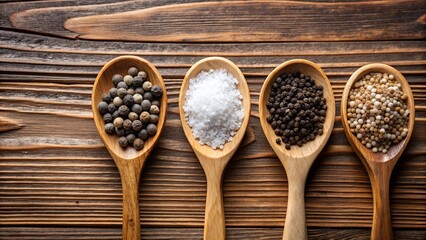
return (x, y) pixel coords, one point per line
(57, 181)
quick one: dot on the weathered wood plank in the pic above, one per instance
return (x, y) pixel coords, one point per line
(189, 22)
(39, 233)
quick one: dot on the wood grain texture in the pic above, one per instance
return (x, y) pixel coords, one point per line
(228, 21)
(58, 181)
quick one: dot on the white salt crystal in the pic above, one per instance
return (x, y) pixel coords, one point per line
(213, 107)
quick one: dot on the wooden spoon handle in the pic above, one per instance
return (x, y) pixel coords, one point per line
(130, 182)
(382, 224)
(295, 222)
(214, 225)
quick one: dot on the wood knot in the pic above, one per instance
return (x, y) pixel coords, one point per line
(7, 124)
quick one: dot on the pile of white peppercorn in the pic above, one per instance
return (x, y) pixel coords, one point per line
(130, 109)
(377, 111)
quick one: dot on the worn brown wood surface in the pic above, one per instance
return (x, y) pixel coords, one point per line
(57, 180)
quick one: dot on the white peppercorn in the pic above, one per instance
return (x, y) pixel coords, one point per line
(154, 109)
(147, 86)
(144, 117)
(142, 74)
(128, 80)
(118, 122)
(131, 91)
(138, 98)
(133, 116)
(117, 101)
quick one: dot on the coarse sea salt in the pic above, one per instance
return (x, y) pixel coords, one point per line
(213, 107)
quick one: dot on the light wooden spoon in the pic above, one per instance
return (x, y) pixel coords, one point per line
(379, 166)
(215, 161)
(298, 160)
(129, 161)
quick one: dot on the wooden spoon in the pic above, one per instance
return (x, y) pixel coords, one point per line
(298, 160)
(379, 166)
(129, 161)
(215, 161)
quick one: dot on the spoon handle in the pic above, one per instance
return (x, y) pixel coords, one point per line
(130, 176)
(214, 225)
(295, 222)
(382, 224)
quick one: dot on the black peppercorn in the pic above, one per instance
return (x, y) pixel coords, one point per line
(133, 71)
(120, 132)
(143, 134)
(151, 128)
(156, 91)
(137, 125)
(116, 78)
(138, 144)
(297, 109)
(128, 100)
(112, 108)
(107, 118)
(109, 128)
(103, 107)
(115, 115)
(153, 118)
(123, 110)
(122, 85)
(146, 105)
(137, 108)
(156, 103)
(121, 92)
(123, 141)
(113, 92)
(130, 138)
(278, 141)
(127, 124)
(137, 81)
(131, 91)
(106, 97)
(139, 90)
(148, 96)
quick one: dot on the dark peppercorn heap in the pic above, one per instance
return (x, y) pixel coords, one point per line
(297, 109)
(130, 109)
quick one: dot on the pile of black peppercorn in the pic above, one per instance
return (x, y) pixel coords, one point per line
(297, 109)
(130, 109)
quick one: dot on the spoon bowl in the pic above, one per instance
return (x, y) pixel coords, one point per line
(298, 160)
(379, 166)
(129, 161)
(212, 160)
